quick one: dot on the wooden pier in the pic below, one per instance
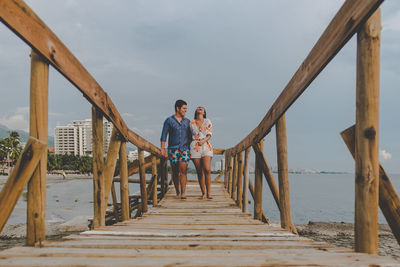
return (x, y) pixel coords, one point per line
(191, 232)
(195, 232)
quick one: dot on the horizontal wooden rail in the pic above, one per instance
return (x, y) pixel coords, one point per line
(343, 26)
(20, 18)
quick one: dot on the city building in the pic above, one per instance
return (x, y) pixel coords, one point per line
(76, 138)
(133, 155)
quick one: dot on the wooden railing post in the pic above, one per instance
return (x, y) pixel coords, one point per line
(283, 175)
(154, 174)
(99, 204)
(234, 177)
(230, 174)
(163, 174)
(36, 207)
(111, 162)
(367, 136)
(142, 173)
(123, 184)
(226, 171)
(246, 180)
(240, 180)
(258, 186)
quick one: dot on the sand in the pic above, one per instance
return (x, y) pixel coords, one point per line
(342, 235)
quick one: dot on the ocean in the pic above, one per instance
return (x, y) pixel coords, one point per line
(314, 197)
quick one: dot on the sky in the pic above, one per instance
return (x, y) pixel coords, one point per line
(232, 57)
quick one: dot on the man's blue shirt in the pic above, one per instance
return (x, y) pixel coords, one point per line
(179, 135)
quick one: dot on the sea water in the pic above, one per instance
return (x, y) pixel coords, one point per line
(313, 197)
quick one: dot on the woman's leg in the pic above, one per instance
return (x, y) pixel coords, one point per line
(206, 162)
(200, 177)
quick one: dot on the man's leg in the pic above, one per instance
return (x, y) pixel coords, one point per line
(175, 178)
(182, 177)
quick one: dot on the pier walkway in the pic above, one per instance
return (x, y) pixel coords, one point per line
(191, 232)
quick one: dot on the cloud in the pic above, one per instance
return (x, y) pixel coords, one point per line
(18, 120)
(384, 155)
(392, 23)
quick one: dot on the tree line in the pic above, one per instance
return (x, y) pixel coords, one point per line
(11, 148)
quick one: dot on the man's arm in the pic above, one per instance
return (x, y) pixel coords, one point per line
(163, 138)
(163, 152)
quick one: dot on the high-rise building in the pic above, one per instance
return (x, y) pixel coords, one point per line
(76, 138)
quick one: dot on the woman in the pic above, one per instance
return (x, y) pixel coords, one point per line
(201, 151)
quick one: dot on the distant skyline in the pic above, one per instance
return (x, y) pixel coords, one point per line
(234, 58)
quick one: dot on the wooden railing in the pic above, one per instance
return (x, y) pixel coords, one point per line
(372, 183)
(30, 169)
(355, 16)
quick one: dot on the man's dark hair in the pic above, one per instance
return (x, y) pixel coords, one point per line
(179, 103)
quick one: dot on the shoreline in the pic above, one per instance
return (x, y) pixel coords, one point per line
(341, 234)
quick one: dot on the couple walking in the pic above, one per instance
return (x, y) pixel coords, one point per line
(188, 140)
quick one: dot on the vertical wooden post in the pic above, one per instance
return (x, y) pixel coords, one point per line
(142, 173)
(36, 207)
(234, 177)
(367, 136)
(246, 180)
(230, 175)
(115, 202)
(99, 204)
(226, 171)
(111, 162)
(155, 174)
(283, 175)
(162, 175)
(240, 180)
(258, 186)
(123, 184)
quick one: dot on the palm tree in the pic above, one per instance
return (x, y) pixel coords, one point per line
(14, 146)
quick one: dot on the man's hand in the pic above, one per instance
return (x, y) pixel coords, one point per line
(163, 152)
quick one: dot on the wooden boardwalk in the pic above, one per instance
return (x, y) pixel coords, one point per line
(189, 232)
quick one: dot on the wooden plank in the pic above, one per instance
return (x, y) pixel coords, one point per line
(260, 158)
(111, 162)
(21, 19)
(257, 196)
(218, 151)
(99, 205)
(155, 178)
(19, 177)
(367, 136)
(343, 26)
(264, 217)
(142, 173)
(38, 127)
(246, 179)
(124, 186)
(234, 177)
(240, 180)
(160, 240)
(389, 201)
(283, 175)
(219, 176)
(133, 167)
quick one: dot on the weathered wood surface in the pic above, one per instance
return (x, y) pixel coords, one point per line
(19, 177)
(367, 136)
(18, 16)
(38, 127)
(342, 27)
(389, 201)
(200, 235)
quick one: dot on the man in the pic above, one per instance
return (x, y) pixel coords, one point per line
(177, 127)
